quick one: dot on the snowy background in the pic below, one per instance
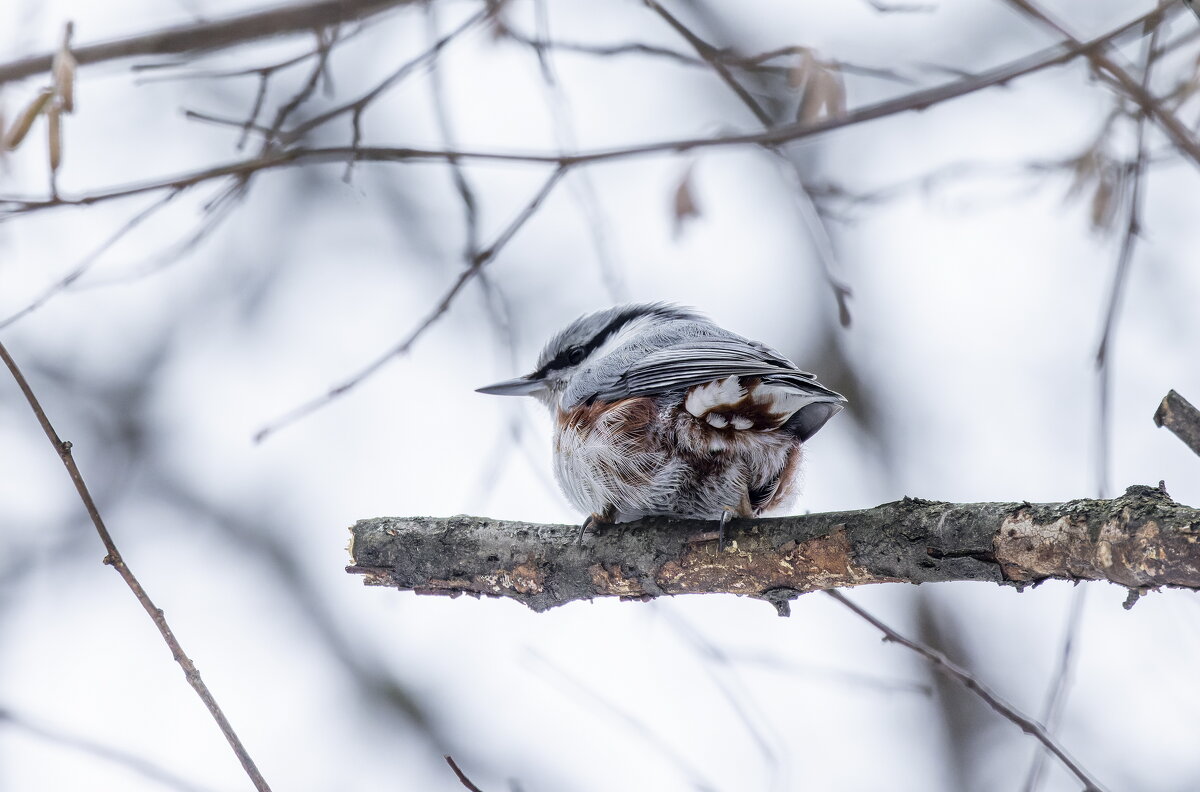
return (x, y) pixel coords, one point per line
(978, 301)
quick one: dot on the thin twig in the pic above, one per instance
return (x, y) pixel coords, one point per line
(961, 675)
(582, 189)
(248, 124)
(784, 133)
(356, 106)
(637, 726)
(324, 47)
(1133, 230)
(1057, 694)
(756, 63)
(481, 260)
(86, 263)
(462, 777)
(809, 211)
(725, 678)
(126, 759)
(267, 70)
(251, 122)
(470, 204)
(710, 54)
(498, 309)
(117, 562)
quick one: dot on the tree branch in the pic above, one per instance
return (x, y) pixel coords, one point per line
(1176, 130)
(1140, 540)
(784, 133)
(1177, 414)
(204, 36)
(117, 562)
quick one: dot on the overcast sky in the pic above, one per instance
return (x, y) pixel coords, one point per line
(978, 301)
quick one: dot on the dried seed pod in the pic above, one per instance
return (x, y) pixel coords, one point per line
(63, 72)
(800, 72)
(836, 105)
(20, 127)
(816, 97)
(54, 136)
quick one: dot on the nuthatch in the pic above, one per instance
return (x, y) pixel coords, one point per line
(658, 411)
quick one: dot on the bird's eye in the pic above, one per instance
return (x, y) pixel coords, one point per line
(575, 355)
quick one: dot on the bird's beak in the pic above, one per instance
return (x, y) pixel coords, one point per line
(521, 386)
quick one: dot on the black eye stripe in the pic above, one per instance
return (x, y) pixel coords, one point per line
(566, 357)
(573, 356)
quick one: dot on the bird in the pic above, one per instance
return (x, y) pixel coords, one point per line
(659, 411)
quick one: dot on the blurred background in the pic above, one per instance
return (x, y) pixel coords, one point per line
(950, 269)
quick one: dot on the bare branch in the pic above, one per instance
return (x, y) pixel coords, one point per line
(193, 37)
(481, 259)
(117, 562)
(1140, 540)
(961, 675)
(1177, 414)
(784, 133)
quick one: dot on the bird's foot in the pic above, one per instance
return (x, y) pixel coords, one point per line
(726, 516)
(597, 520)
(593, 521)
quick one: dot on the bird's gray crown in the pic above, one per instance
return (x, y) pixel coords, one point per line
(588, 333)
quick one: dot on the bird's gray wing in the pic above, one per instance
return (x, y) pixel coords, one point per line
(699, 361)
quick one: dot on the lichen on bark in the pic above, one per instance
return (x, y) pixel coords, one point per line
(1141, 540)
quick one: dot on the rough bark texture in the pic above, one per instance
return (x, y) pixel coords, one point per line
(1141, 540)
